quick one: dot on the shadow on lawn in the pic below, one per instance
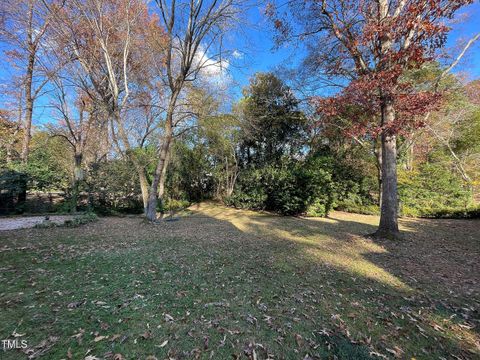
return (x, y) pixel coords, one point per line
(420, 293)
(248, 281)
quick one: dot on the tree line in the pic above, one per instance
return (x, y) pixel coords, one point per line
(131, 107)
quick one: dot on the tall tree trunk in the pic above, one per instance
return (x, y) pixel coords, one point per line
(158, 179)
(158, 182)
(410, 157)
(163, 177)
(389, 209)
(378, 157)
(77, 178)
(27, 127)
(142, 177)
(161, 182)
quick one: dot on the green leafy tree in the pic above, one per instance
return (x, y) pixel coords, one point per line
(271, 123)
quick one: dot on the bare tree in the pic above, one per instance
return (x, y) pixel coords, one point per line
(110, 41)
(25, 24)
(78, 118)
(194, 42)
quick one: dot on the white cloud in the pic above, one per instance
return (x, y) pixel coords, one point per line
(211, 66)
(214, 70)
(237, 54)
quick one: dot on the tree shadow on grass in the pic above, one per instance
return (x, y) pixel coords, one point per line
(423, 288)
(235, 282)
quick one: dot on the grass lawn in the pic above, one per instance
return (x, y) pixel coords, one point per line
(231, 284)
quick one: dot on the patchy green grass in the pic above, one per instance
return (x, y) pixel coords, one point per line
(225, 283)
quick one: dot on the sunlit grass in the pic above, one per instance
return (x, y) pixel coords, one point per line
(235, 282)
(346, 254)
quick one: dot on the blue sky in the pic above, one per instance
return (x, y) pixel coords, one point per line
(257, 44)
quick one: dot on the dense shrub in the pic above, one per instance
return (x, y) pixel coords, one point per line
(293, 188)
(172, 205)
(472, 212)
(431, 191)
(312, 186)
(189, 176)
(13, 191)
(249, 192)
(358, 208)
(113, 187)
(242, 200)
(317, 209)
(284, 189)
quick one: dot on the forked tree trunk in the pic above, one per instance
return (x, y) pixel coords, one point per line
(389, 208)
(151, 212)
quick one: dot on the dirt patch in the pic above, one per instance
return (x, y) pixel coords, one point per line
(30, 221)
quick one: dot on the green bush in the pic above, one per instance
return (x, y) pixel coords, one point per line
(172, 205)
(114, 188)
(249, 192)
(285, 189)
(190, 173)
(469, 213)
(242, 200)
(78, 220)
(81, 220)
(369, 209)
(472, 212)
(317, 209)
(175, 205)
(433, 190)
(291, 188)
(13, 191)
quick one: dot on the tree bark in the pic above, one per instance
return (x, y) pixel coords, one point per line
(27, 128)
(143, 187)
(389, 208)
(77, 178)
(410, 157)
(161, 181)
(378, 157)
(163, 176)
(158, 179)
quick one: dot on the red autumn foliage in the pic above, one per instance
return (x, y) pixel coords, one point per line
(360, 103)
(373, 44)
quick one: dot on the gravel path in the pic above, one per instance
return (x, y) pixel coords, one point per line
(29, 221)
